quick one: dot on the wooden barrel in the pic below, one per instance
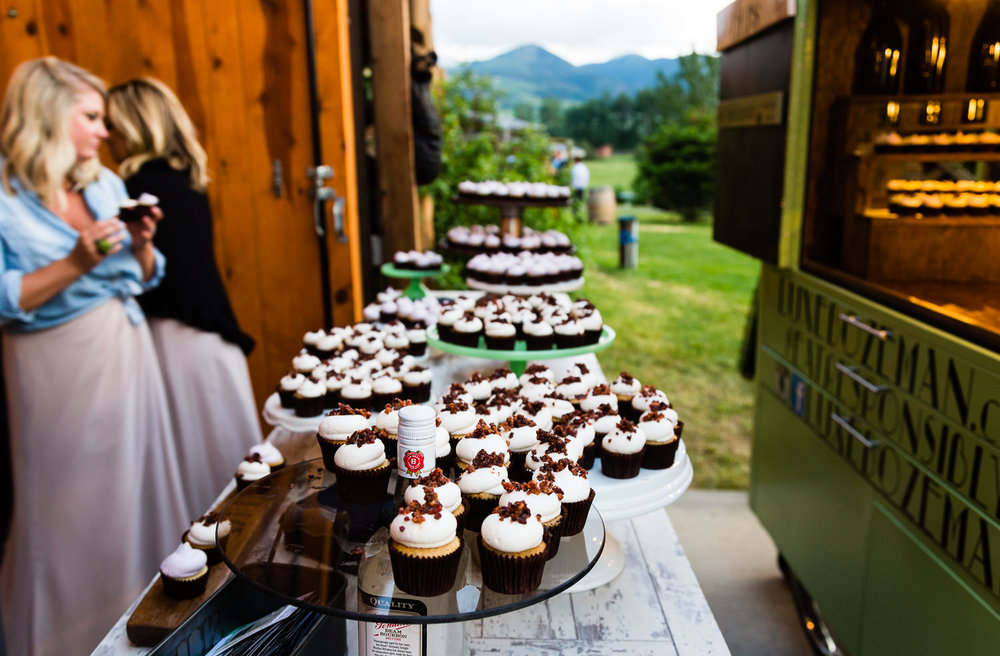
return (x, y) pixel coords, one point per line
(601, 205)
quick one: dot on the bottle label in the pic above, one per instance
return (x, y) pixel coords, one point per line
(387, 638)
(414, 463)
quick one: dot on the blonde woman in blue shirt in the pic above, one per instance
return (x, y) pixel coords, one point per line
(97, 502)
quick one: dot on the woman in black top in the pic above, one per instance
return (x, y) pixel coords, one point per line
(201, 347)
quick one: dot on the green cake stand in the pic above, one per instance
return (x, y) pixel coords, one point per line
(519, 356)
(415, 289)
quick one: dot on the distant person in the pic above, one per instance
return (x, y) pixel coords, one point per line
(579, 180)
(201, 347)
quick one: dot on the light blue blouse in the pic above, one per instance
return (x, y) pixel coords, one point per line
(31, 236)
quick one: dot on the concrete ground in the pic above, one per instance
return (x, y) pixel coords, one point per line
(736, 564)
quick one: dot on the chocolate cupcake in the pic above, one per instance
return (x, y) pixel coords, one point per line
(251, 469)
(545, 501)
(448, 494)
(207, 534)
(622, 451)
(362, 468)
(578, 496)
(184, 573)
(662, 428)
(336, 427)
(482, 484)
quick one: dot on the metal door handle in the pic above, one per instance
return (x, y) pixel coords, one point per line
(851, 430)
(338, 219)
(861, 325)
(853, 375)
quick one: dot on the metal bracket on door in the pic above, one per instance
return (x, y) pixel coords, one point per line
(320, 193)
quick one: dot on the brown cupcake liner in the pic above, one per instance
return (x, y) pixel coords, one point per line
(480, 508)
(510, 573)
(660, 455)
(517, 470)
(621, 465)
(424, 577)
(363, 486)
(328, 449)
(461, 516)
(553, 534)
(590, 453)
(539, 343)
(188, 588)
(287, 398)
(576, 514)
(309, 407)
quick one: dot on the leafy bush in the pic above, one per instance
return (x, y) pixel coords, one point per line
(676, 168)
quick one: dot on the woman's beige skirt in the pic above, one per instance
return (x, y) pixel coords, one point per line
(98, 501)
(211, 406)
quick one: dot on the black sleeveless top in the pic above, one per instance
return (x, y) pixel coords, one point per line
(191, 291)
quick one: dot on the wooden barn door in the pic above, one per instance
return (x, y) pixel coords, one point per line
(244, 72)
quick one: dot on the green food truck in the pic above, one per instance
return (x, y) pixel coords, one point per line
(859, 160)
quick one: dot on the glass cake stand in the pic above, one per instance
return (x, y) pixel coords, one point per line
(294, 536)
(416, 289)
(519, 356)
(511, 209)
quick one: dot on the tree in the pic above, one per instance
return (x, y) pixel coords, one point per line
(676, 168)
(550, 114)
(473, 148)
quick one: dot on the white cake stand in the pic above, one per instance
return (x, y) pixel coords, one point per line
(629, 497)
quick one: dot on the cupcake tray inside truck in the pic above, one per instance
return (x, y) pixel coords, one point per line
(876, 445)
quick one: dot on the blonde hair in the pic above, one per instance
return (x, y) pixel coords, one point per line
(153, 125)
(35, 138)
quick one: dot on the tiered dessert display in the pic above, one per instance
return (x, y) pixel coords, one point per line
(518, 330)
(414, 266)
(511, 198)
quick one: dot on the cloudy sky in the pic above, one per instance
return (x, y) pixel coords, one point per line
(579, 31)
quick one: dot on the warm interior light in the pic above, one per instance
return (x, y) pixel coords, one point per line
(932, 112)
(892, 112)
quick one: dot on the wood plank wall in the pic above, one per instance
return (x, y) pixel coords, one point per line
(239, 67)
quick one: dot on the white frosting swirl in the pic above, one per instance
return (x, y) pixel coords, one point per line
(574, 488)
(184, 562)
(546, 505)
(360, 456)
(486, 479)
(449, 494)
(622, 441)
(251, 470)
(433, 531)
(509, 536)
(468, 447)
(339, 427)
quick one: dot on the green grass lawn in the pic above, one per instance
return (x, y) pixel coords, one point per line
(680, 317)
(617, 171)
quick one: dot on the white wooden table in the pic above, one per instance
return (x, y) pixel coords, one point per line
(655, 607)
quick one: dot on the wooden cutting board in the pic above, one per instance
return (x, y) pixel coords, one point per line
(156, 615)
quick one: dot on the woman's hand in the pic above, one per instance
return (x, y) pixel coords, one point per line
(142, 231)
(96, 242)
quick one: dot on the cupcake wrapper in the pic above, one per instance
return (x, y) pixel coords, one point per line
(553, 534)
(328, 449)
(532, 343)
(509, 574)
(479, 509)
(465, 339)
(362, 486)
(621, 465)
(592, 336)
(590, 453)
(461, 517)
(417, 349)
(309, 407)
(517, 470)
(660, 455)
(499, 343)
(188, 588)
(568, 341)
(287, 398)
(576, 515)
(424, 577)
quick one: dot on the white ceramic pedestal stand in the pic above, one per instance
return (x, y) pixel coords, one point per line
(629, 497)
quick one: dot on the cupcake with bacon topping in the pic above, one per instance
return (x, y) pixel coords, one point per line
(447, 491)
(424, 548)
(361, 467)
(663, 431)
(544, 499)
(512, 551)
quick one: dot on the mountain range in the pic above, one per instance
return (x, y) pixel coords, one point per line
(531, 73)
